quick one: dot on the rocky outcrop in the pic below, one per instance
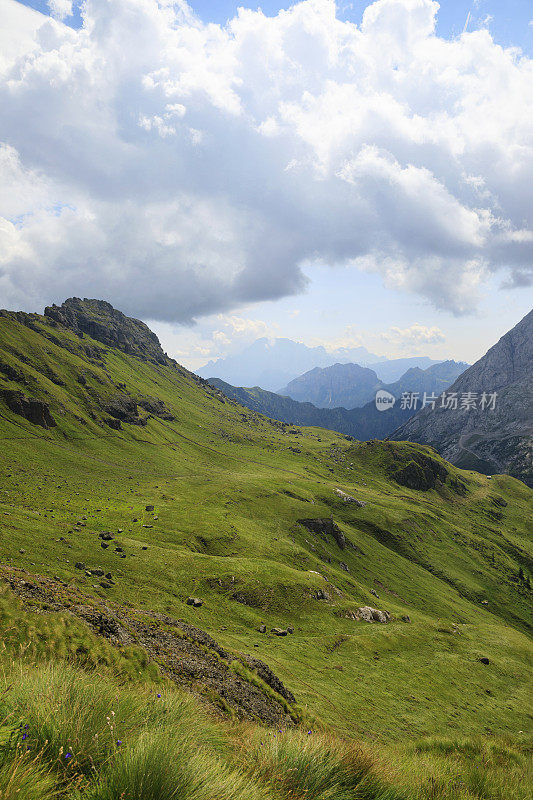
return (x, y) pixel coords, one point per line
(35, 411)
(325, 527)
(482, 435)
(99, 320)
(157, 408)
(124, 408)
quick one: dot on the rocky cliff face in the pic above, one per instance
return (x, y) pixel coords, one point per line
(99, 320)
(491, 440)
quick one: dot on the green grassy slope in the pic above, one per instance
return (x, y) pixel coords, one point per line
(229, 487)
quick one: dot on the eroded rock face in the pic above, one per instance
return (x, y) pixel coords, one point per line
(35, 411)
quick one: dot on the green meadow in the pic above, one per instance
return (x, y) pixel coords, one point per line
(400, 710)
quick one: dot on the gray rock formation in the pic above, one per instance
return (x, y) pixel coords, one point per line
(485, 438)
(369, 614)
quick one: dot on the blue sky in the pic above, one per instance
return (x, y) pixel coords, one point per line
(288, 177)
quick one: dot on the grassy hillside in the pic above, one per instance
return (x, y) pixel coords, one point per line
(228, 489)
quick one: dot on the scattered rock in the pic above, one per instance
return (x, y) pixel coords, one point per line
(369, 614)
(346, 498)
(105, 545)
(484, 660)
(279, 631)
(106, 537)
(148, 508)
(406, 618)
(373, 591)
(79, 565)
(97, 572)
(262, 629)
(194, 601)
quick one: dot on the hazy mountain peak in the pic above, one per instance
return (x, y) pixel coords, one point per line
(271, 363)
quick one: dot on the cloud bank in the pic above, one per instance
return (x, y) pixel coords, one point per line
(181, 169)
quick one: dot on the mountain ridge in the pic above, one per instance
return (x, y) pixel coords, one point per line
(352, 386)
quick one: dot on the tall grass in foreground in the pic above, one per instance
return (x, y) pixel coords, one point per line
(69, 733)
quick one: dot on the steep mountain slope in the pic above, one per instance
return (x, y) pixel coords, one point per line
(351, 386)
(115, 465)
(475, 435)
(273, 363)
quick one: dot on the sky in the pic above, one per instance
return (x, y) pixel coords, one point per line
(335, 173)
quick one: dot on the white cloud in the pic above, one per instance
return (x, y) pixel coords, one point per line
(60, 9)
(415, 337)
(181, 169)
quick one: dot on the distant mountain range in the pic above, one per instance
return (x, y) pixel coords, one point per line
(488, 434)
(273, 363)
(367, 422)
(352, 386)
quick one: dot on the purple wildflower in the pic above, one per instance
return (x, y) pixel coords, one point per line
(119, 742)
(68, 755)
(24, 736)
